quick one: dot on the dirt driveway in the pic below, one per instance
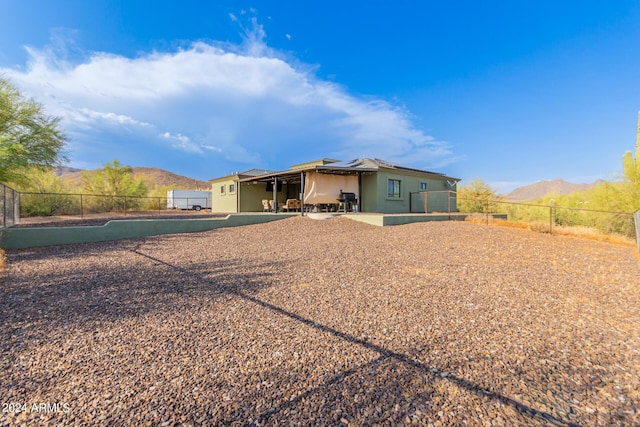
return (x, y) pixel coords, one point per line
(323, 323)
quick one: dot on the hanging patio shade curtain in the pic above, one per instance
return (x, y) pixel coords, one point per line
(325, 187)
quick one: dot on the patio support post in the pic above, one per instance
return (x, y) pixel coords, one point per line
(275, 194)
(360, 192)
(302, 193)
(237, 197)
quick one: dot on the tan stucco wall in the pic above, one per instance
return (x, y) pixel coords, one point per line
(224, 202)
(251, 195)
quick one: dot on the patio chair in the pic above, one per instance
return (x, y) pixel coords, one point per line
(266, 205)
(291, 205)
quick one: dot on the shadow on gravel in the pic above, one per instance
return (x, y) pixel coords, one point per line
(159, 286)
(380, 370)
(31, 305)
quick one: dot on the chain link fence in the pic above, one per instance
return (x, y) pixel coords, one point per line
(10, 203)
(544, 218)
(75, 204)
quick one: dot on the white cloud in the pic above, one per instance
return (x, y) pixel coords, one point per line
(224, 107)
(181, 142)
(212, 148)
(116, 119)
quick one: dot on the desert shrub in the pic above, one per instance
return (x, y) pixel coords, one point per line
(47, 205)
(44, 194)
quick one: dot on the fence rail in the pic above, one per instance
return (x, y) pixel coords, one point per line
(432, 201)
(10, 204)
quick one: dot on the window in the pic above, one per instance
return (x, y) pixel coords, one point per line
(423, 185)
(394, 188)
(222, 189)
(232, 188)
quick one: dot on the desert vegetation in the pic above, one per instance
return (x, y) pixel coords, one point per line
(604, 208)
(111, 188)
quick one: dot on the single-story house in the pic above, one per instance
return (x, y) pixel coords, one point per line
(378, 185)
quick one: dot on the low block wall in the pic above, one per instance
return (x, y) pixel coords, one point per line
(383, 220)
(22, 238)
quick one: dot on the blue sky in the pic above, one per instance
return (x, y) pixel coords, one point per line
(512, 92)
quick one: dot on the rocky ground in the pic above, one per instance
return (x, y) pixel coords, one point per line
(329, 322)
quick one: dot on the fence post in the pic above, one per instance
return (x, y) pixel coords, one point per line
(16, 209)
(551, 206)
(81, 207)
(487, 211)
(636, 219)
(125, 205)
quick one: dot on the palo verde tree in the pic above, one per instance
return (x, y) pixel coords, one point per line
(473, 197)
(28, 137)
(114, 180)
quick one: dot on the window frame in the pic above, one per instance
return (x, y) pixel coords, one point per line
(391, 191)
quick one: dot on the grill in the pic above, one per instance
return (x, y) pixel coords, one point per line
(347, 201)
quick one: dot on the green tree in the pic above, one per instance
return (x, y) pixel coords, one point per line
(473, 196)
(43, 195)
(117, 181)
(28, 137)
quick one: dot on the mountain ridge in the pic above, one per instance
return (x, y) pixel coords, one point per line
(153, 177)
(540, 189)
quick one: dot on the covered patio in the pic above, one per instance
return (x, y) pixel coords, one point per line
(318, 188)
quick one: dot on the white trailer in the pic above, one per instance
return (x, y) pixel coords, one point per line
(188, 199)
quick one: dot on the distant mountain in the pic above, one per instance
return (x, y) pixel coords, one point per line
(540, 189)
(153, 177)
(163, 178)
(63, 170)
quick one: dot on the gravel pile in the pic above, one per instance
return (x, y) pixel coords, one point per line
(330, 322)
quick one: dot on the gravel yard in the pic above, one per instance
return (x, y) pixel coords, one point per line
(323, 323)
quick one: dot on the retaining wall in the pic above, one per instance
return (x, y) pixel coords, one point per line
(29, 237)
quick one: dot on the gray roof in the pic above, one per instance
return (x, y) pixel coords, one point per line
(255, 172)
(366, 163)
(350, 167)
